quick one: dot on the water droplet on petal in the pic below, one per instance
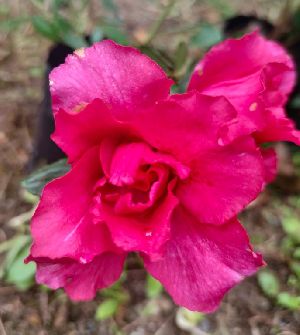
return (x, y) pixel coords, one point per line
(148, 233)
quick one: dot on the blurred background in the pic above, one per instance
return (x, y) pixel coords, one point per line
(35, 36)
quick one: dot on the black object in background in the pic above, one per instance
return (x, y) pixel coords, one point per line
(45, 150)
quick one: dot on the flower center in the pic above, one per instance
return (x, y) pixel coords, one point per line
(136, 179)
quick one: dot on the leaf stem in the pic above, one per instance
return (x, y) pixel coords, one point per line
(157, 24)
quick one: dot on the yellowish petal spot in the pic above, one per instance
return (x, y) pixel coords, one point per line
(200, 71)
(253, 107)
(79, 52)
(78, 108)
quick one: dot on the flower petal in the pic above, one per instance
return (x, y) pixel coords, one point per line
(279, 128)
(224, 180)
(247, 71)
(147, 232)
(120, 76)
(202, 262)
(76, 133)
(80, 281)
(185, 125)
(62, 226)
(270, 163)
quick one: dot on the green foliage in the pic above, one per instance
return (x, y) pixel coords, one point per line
(45, 28)
(153, 287)
(288, 301)
(13, 269)
(115, 33)
(291, 225)
(180, 57)
(268, 283)
(39, 178)
(114, 297)
(206, 36)
(107, 309)
(188, 320)
(96, 35)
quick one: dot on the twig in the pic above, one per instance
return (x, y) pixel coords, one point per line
(157, 24)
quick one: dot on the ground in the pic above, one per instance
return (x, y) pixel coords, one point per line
(245, 310)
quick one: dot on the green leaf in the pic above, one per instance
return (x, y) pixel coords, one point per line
(39, 178)
(159, 57)
(181, 54)
(287, 245)
(21, 274)
(114, 33)
(45, 28)
(107, 309)
(295, 266)
(207, 36)
(153, 287)
(296, 254)
(291, 225)
(13, 23)
(289, 301)
(74, 40)
(268, 283)
(96, 35)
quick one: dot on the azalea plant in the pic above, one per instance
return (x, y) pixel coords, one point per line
(159, 174)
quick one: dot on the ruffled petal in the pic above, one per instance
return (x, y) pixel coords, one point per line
(76, 133)
(202, 262)
(249, 72)
(224, 180)
(62, 225)
(147, 232)
(185, 125)
(80, 281)
(120, 76)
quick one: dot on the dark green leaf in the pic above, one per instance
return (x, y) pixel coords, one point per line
(96, 35)
(159, 57)
(39, 178)
(114, 33)
(74, 40)
(207, 36)
(181, 54)
(45, 28)
(268, 283)
(107, 309)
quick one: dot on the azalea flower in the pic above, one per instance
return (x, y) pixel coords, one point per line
(150, 173)
(256, 75)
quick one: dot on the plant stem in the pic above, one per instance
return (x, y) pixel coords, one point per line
(157, 24)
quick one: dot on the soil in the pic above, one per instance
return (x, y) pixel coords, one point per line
(244, 311)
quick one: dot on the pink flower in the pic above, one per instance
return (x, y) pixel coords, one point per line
(149, 175)
(256, 75)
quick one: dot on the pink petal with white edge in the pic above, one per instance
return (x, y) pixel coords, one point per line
(80, 281)
(62, 225)
(120, 76)
(223, 181)
(202, 262)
